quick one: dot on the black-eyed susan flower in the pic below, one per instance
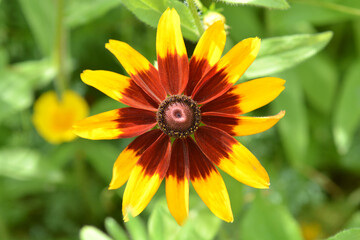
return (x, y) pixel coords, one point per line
(184, 114)
(53, 118)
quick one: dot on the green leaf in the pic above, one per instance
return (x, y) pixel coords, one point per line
(293, 128)
(79, 12)
(41, 17)
(150, 11)
(319, 78)
(92, 233)
(114, 229)
(24, 163)
(278, 4)
(347, 110)
(267, 221)
(349, 234)
(280, 53)
(136, 228)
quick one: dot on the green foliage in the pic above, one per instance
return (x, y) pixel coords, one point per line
(279, 4)
(267, 221)
(280, 53)
(349, 234)
(312, 155)
(347, 112)
(150, 11)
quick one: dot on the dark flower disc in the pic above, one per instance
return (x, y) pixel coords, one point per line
(178, 116)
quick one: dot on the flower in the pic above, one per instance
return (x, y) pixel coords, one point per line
(53, 119)
(184, 114)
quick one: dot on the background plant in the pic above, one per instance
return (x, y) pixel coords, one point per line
(312, 156)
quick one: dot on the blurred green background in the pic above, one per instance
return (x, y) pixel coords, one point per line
(312, 155)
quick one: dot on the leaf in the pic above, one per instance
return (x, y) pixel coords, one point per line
(18, 94)
(319, 78)
(280, 53)
(294, 127)
(277, 4)
(349, 234)
(79, 12)
(114, 229)
(136, 228)
(259, 222)
(347, 110)
(347, 114)
(92, 233)
(41, 17)
(25, 163)
(150, 11)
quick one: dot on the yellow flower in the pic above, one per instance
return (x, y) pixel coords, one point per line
(53, 119)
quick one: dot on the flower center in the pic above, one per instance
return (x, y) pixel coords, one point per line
(178, 116)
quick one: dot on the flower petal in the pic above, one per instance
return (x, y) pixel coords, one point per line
(129, 157)
(206, 54)
(177, 182)
(120, 88)
(139, 68)
(173, 63)
(240, 125)
(231, 156)
(246, 96)
(146, 177)
(208, 183)
(227, 71)
(118, 123)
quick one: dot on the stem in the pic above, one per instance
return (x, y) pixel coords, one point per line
(59, 51)
(330, 5)
(194, 13)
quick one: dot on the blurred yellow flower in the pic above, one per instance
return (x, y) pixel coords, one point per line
(53, 119)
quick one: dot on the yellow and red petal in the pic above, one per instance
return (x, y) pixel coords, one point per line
(120, 88)
(173, 63)
(231, 156)
(227, 71)
(177, 182)
(118, 123)
(139, 68)
(206, 54)
(128, 158)
(247, 96)
(208, 183)
(146, 177)
(240, 125)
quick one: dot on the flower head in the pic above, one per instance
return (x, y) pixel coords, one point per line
(53, 118)
(192, 102)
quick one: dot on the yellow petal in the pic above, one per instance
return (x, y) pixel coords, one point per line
(208, 183)
(139, 191)
(246, 96)
(177, 181)
(169, 39)
(139, 68)
(258, 92)
(177, 196)
(240, 125)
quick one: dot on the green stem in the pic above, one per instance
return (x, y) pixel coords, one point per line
(194, 13)
(330, 5)
(59, 51)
